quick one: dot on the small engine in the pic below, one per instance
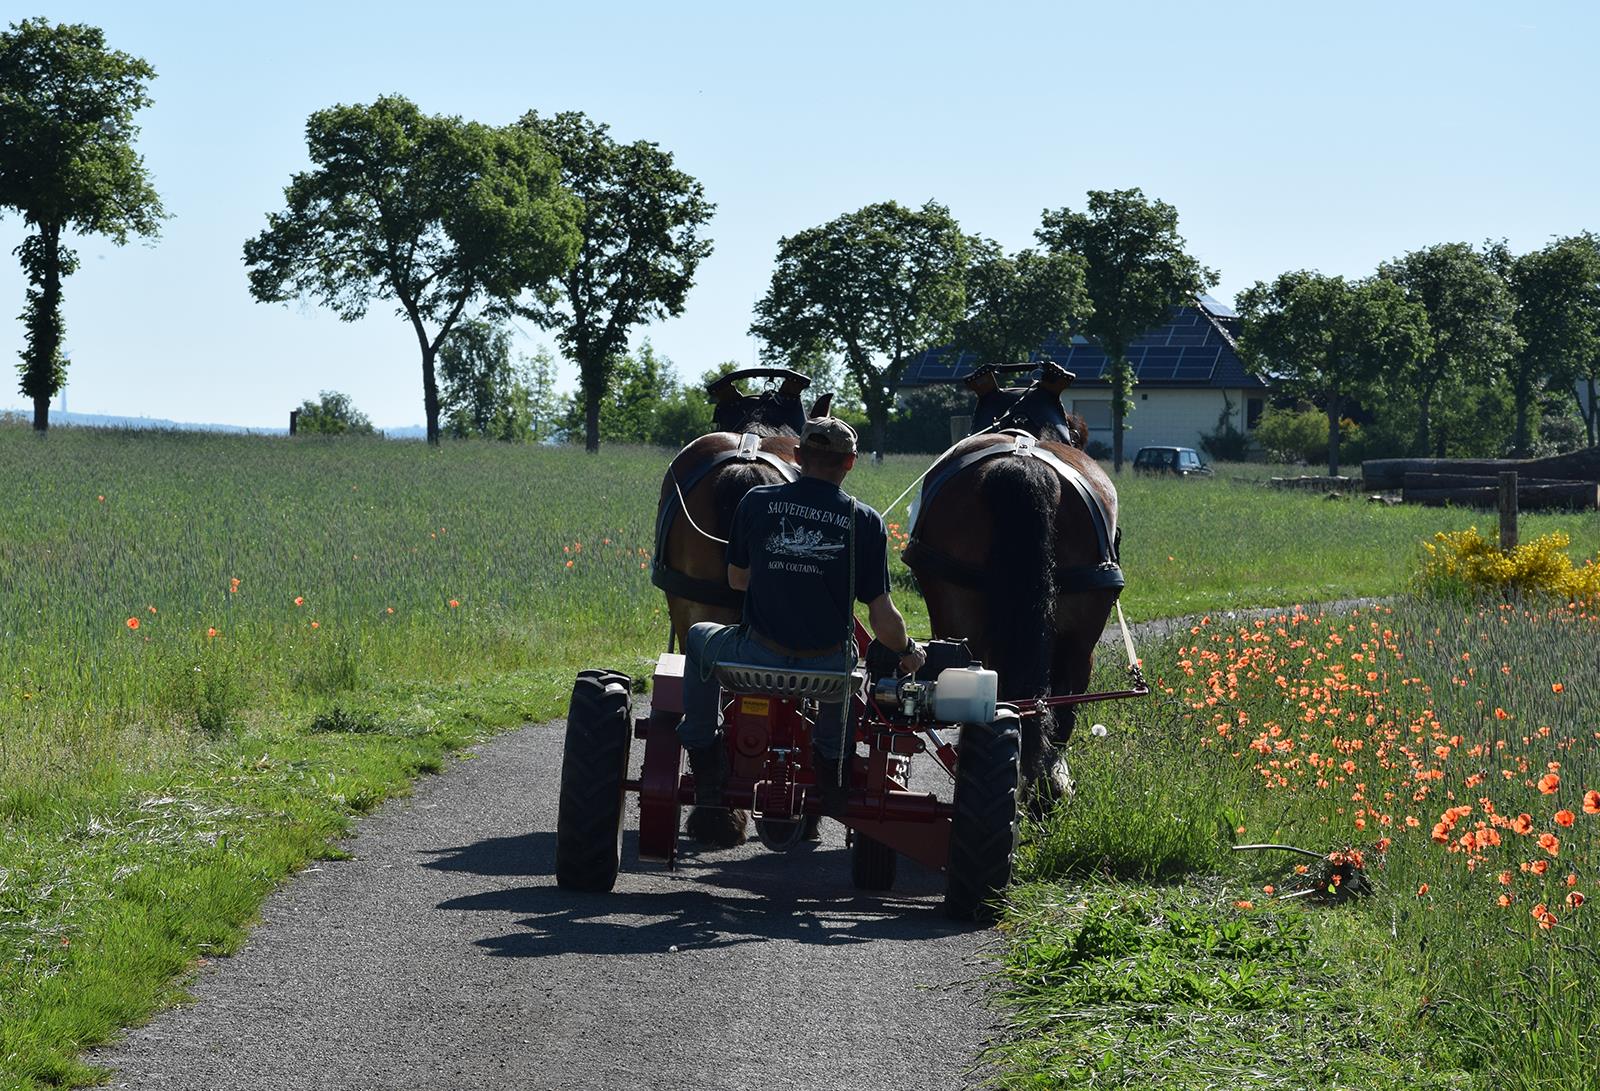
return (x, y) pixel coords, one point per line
(951, 687)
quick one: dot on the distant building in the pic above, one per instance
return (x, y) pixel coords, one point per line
(1188, 371)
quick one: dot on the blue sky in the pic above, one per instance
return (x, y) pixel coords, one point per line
(1329, 136)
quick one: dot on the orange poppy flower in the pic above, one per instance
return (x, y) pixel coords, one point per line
(1550, 843)
(1503, 900)
(1244, 904)
(133, 623)
(1523, 824)
(1591, 802)
(1549, 783)
(1539, 867)
(1565, 818)
(316, 625)
(210, 633)
(1421, 890)
(388, 609)
(454, 603)
(1556, 687)
(299, 600)
(1542, 914)
(1575, 898)
(152, 609)
(1501, 714)
(1267, 889)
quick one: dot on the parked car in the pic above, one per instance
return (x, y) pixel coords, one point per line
(1183, 461)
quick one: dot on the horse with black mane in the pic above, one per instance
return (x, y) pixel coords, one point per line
(754, 445)
(1014, 545)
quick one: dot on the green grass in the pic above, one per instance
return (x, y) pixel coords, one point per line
(1332, 733)
(156, 782)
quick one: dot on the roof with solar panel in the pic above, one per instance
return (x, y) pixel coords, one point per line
(1198, 347)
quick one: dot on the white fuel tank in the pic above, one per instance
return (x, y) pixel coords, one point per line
(966, 695)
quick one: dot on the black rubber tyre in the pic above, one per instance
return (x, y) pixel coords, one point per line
(593, 766)
(872, 863)
(983, 829)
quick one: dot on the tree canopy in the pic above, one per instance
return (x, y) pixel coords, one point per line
(1557, 290)
(1015, 303)
(875, 286)
(1329, 340)
(1469, 307)
(67, 163)
(1136, 271)
(332, 414)
(641, 245)
(440, 215)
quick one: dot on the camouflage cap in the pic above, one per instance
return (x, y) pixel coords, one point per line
(830, 434)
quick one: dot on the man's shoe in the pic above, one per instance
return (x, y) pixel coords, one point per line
(710, 822)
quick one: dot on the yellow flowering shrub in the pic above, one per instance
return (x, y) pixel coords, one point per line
(1466, 561)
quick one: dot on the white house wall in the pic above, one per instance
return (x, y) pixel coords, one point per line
(1166, 418)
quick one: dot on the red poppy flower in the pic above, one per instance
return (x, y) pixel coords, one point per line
(1549, 783)
(1550, 843)
(1591, 802)
(1575, 898)
(1565, 818)
(133, 623)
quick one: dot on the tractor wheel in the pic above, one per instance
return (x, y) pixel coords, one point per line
(593, 767)
(983, 829)
(872, 863)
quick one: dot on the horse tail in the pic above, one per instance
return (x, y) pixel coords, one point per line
(1023, 494)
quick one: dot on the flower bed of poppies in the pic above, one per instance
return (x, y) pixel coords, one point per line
(1439, 766)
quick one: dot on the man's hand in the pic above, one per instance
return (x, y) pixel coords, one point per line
(911, 662)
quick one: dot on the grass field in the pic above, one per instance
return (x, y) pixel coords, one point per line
(217, 649)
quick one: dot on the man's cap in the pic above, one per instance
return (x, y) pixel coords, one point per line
(829, 434)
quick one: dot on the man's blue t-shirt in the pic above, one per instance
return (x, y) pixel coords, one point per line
(793, 538)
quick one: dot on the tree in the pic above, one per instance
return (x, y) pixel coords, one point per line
(333, 414)
(875, 286)
(1136, 271)
(1015, 303)
(1469, 307)
(641, 383)
(641, 246)
(67, 164)
(478, 378)
(435, 213)
(1558, 317)
(1329, 340)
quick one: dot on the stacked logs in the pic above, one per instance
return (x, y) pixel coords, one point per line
(1560, 481)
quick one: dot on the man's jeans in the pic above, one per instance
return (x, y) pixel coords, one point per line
(710, 644)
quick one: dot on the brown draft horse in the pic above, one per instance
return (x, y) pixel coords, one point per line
(691, 564)
(1008, 555)
(699, 494)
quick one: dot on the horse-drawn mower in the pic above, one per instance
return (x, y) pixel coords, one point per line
(768, 715)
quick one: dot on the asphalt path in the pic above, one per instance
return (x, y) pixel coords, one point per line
(442, 955)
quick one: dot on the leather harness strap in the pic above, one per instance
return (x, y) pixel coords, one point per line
(680, 584)
(1107, 574)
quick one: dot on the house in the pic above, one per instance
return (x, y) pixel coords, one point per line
(1189, 372)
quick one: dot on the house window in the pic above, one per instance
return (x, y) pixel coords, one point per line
(1252, 412)
(1096, 413)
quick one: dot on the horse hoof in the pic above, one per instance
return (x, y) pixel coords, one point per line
(717, 827)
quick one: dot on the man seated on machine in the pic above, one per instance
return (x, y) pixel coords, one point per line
(789, 552)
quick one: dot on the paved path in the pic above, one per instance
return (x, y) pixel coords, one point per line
(444, 957)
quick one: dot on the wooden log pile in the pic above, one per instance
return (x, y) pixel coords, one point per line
(1568, 481)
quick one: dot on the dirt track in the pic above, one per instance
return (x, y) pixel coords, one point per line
(443, 956)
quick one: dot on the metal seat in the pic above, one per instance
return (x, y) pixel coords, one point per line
(826, 686)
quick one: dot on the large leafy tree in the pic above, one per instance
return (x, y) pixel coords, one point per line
(478, 379)
(642, 221)
(1136, 271)
(1014, 303)
(439, 215)
(876, 287)
(67, 164)
(1330, 340)
(332, 414)
(1557, 289)
(1469, 305)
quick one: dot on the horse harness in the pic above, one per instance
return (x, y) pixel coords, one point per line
(1106, 574)
(680, 584)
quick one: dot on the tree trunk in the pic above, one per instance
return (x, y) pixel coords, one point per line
(1119, 408)
(591, 420)
(1335, 403)
(878, 422)
(1591, 419)
(1424, 406)
(41, 375)
(1523, 394)
(430, 396)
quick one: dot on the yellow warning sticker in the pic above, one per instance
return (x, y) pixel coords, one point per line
(754, 706)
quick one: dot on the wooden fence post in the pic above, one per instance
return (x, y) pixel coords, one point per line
(1508, 510)
(294, 420)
